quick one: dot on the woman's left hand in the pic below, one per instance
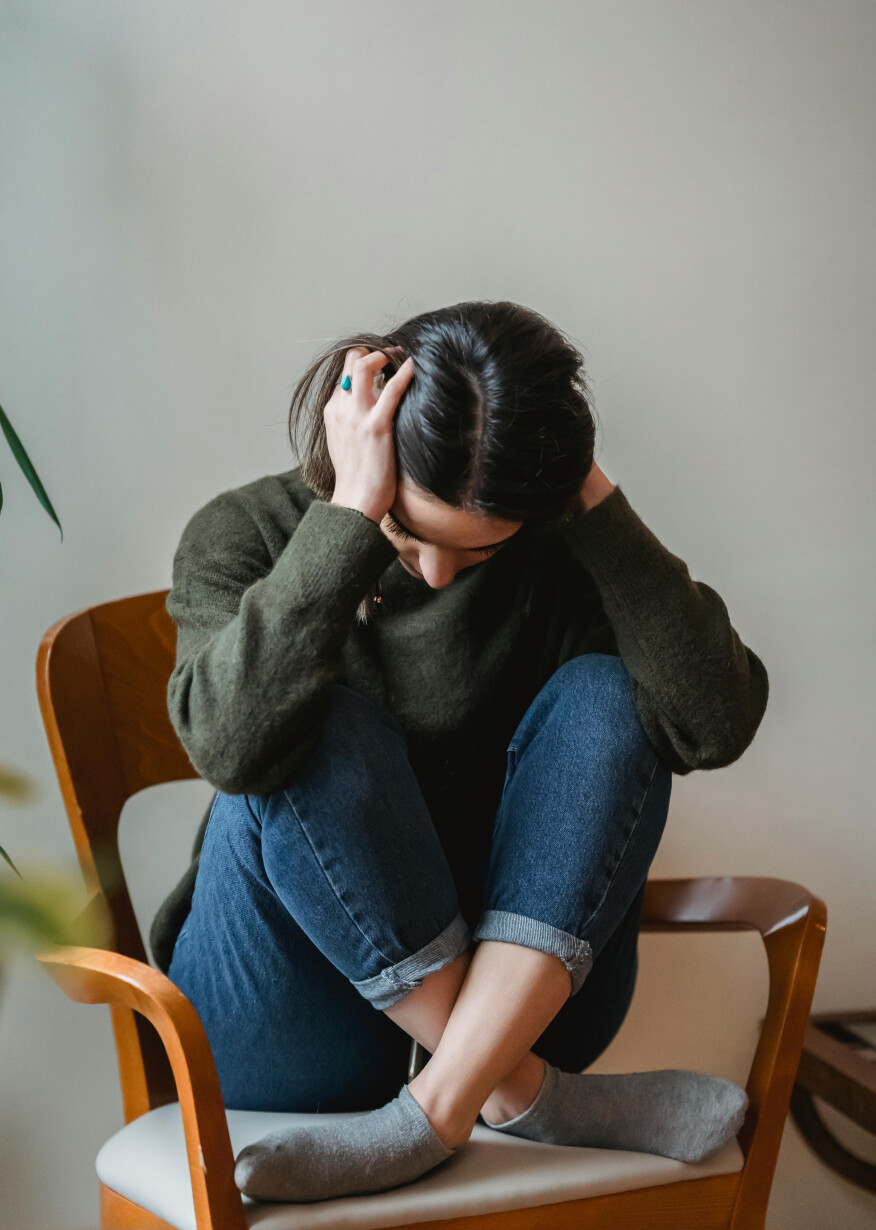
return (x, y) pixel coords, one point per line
(594, 489)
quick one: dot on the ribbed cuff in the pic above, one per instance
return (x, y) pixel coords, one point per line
(395, 982)
(575, 954)
(335, 552)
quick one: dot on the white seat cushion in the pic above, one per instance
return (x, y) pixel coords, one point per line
(146, 1163)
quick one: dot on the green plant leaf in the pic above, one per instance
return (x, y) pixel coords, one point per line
(5, 856)
(16, 785)
(46, 909)
(27, 469)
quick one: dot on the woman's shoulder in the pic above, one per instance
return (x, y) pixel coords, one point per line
(266, 509)
(284, 494)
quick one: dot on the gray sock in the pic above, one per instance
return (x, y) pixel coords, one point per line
(684, 1115)
(385, 1148)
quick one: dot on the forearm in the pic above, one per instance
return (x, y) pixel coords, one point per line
(700, 690)
(249, 690)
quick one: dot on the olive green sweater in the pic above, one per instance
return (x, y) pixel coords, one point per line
(267, 580)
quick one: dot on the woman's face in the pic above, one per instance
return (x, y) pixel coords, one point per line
(435, 540)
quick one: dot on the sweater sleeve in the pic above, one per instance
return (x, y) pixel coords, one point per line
(700, 692)
(259, 645)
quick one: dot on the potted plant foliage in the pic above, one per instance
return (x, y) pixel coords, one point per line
(37, 909)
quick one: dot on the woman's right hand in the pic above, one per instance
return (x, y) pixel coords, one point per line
(358, 431)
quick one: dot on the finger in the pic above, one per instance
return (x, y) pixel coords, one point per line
(370, 363)
(394, 357)
(395, 387)
(365, 370)
(403, 376)
(357, 352)
(350, 359)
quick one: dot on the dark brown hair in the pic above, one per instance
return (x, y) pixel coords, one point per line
(496, 419)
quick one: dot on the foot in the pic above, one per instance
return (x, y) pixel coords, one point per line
(678, 1114)
(383, 1149)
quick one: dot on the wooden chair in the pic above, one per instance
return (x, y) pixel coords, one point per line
(102, 675)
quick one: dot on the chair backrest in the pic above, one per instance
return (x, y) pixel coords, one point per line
(102, 677)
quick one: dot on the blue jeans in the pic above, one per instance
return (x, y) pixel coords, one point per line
(333, 896)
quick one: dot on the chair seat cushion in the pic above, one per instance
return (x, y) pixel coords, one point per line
(146, 1163)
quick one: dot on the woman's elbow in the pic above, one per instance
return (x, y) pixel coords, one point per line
(243, 759)
(729, 733)
(720, 748)
(217, 760)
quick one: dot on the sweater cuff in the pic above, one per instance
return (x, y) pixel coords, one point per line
(335, 553)
(625, 559)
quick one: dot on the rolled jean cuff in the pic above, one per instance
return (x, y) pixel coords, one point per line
(397, 981)
(575, 954)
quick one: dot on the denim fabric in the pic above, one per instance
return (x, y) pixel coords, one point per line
(332, 897)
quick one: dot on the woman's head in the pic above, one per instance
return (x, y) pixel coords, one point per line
(496, 419)
(495, 424)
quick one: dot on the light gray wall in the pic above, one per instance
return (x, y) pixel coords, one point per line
(195, 196)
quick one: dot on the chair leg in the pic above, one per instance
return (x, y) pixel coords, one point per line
(417, 1060)
(117, 1213)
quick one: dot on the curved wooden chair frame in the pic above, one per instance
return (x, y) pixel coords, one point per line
(102, 684)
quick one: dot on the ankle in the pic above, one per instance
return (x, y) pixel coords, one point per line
(451, 1119)
(516, 1093)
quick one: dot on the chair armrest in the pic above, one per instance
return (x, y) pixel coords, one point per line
(792, 923)
(94, 976)
(726, 903)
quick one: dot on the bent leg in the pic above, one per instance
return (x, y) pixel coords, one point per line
(580, 818)
(313, 905)
(287, 1030)
(581, 813)
(351, 852)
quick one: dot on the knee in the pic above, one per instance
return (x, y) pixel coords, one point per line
(360, 743)
(590, 698)
(604, 670)
(355, 731)
(597, 683)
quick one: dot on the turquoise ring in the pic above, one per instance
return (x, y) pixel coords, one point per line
(346, 384)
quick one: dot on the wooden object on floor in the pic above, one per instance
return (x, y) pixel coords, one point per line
(838, 1065)
(102, 676)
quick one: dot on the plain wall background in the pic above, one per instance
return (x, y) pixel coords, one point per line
(196, 197)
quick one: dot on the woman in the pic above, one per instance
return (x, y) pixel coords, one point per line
(440, 675)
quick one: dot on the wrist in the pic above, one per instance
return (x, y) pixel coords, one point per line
(594, 489)
(371, 511)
